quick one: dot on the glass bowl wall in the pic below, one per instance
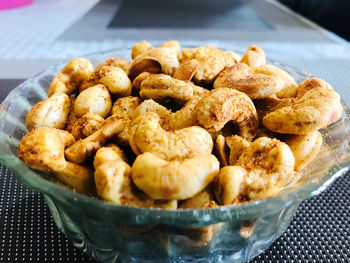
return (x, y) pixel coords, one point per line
(113, 233)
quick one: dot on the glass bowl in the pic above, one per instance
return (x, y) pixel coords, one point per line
(115, 233)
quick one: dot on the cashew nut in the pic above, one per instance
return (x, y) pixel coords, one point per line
(242, 77)
(70, 77)
(254, 56)
(163, 56)
(147, 135)
(211, 62)
(237, 146)
(114, 62)
(162, 86)
(124, 108)
(86, 125)
(113, 181)
(289, 88)
(172, 44)
(262, 170)
(95, 99)
(316, 106)
(140, 48)
(204, 199)
(186, 70)
(186, 54)
(83, 149)
(230, 148)
(305, 148)
(176, 180)
(52, 112)
(180, 119)
(43, 149)
(223, 105)
(115, 79)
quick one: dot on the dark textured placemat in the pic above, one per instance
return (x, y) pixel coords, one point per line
(319, 232)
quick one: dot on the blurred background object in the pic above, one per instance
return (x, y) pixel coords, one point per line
(7, 4)
(331, 14)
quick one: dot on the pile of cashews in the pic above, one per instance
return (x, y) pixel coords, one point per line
(192, 128)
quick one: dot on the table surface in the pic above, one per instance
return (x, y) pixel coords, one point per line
(35, 37)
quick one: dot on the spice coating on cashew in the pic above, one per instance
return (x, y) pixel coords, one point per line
(186, 70)
(114, 184)
(70, 77)
(177, 180)
(254, 56)
(241, 77)
(52, 112)
(165, 56)
(147, 135)
(124, 108)
(163, 86)
(95, 99)
(223, 105)
(289, 88)
(211, 62)
(84, 148)
(316, 106)
(43, 149)
(86, 125)
(262, 170)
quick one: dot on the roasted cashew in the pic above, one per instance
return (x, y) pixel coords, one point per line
(186, 70)
(163, 86)
(223, 105)
(70, 77)
(211, 62)
(110, 152)
(163, 58)
(176, 180)
(136, 84)
(83, 149)
(231, 58)
(141, 64)
(115, 79)
(113, 182)
(305, 148)
(43, 149)
(52, 112)
(289, 88)
(124, 108)
(221, 150)
(86, 125)
(112, 73)
(243, 78)
(95, 99)
(316, 106)
(254, 56)
(172, 44)
(204, 199)
(229, 148)
(114, 62)
(261, 171)
(169, 120)
(147, 135)
(237, 146)
(140, 48)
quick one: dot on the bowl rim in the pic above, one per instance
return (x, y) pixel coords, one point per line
(31, 178)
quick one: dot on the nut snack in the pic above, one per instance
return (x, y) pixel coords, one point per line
(178, 129)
